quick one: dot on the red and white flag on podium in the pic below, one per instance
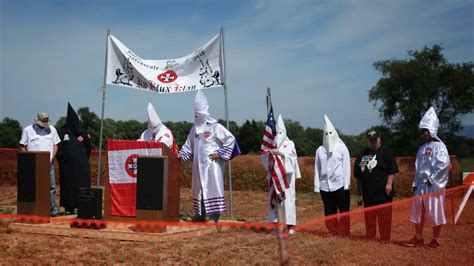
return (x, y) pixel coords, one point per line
(123, 172)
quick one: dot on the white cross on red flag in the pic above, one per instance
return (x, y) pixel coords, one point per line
(123, 170)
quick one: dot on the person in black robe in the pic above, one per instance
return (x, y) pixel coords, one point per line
(73, 157)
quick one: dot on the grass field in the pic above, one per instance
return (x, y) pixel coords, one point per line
(311, 245)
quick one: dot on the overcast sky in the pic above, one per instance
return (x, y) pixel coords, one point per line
(317, 56)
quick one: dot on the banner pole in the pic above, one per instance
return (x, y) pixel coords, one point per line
(227, 121)
(104, 88)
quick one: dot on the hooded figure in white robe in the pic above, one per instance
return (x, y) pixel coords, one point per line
(333, 164)
(432, 173)
(157, 131)
(290, 161)
(209, 144)
(332, 177)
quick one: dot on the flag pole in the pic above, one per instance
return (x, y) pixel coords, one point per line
(104, 88)
(227, 120)
(280, 209)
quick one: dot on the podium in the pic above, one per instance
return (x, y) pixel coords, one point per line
(33, 183)
(157, 188)
(157, 194)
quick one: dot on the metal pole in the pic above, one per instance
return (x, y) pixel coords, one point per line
(104, 88)
(282, 231)
(280, 207)
(227, 122)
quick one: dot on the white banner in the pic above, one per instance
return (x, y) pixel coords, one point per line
(200, 69)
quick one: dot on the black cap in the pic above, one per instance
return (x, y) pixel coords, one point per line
(372, 134)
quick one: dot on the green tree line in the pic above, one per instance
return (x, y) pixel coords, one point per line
(249, 135)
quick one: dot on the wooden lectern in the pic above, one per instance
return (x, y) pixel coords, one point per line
(33, 183)
(157, 194)
(159, 201)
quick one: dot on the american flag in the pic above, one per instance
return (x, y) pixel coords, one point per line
(277, 182)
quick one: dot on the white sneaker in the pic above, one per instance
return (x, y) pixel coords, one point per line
(291, 231)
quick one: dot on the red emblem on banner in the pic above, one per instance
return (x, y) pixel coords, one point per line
(207, 134)
(168, 76)
(131, 165)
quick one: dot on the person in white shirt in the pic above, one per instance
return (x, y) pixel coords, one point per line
(157, 131)
(41, 136)
(431, 177)
(332, 176)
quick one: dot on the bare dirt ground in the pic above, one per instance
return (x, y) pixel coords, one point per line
(247, 245)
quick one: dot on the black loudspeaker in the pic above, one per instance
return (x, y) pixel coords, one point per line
(151, 183)
(26, 178)
(89, 203)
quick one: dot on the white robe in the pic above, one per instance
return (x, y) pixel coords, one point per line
(432, 164)
(208, 175)
(164, 136)
(292, 172)
(332, 170)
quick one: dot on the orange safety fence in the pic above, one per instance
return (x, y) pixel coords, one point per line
(248, 240)
(247, 173)
(28, 239)
(379, 234)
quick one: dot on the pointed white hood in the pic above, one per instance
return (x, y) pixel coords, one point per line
(201, 112)
(154, 122)
(430, 121)
(281, 131)
(280, 137)
(330, 136)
